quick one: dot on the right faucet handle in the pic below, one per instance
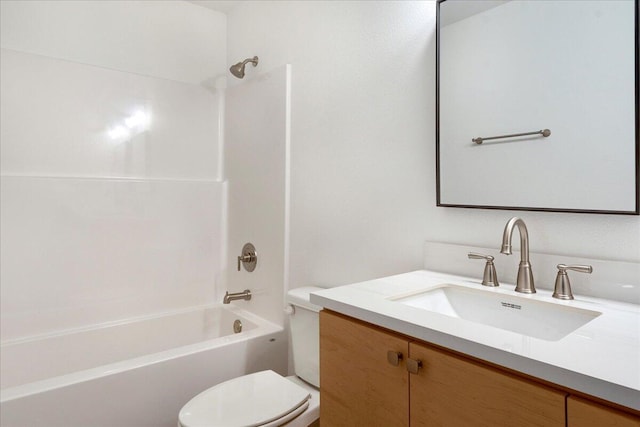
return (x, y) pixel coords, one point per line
(489, 278)
(563, 287)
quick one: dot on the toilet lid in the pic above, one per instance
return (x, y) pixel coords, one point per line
(252, 400)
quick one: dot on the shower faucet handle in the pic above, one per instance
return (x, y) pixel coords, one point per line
(244, 259)
(490, 277)
(248, 258)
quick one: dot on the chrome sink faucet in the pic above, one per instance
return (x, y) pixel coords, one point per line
(524, 283)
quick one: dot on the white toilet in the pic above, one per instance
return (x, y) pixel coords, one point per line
(265, 398)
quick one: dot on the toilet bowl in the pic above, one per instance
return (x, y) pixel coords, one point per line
(265, 398)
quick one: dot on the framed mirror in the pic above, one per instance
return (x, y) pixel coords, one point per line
(537, 105)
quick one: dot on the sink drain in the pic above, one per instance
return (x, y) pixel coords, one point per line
(237, 326)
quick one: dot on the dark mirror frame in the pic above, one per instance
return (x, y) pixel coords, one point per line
(521, 208)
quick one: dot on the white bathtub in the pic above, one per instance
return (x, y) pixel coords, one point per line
(135, 373)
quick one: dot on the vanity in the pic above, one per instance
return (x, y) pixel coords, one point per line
(428, 348)
(437, 349)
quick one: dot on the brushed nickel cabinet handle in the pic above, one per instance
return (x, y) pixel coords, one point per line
(413, 366)
(394, 357)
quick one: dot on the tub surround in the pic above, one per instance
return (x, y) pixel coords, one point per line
(98, 229)
(256, 168)
(598, 359)
(112, 200)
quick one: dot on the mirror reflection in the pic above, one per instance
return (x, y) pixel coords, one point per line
(548, 91)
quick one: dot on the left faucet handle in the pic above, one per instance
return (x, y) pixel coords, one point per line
(490, 277)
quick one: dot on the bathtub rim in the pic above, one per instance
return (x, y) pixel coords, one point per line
(119, 322)
(263, 328)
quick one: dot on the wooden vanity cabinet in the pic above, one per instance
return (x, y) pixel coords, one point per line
(450, 390)
(360, 385)
(584, 413)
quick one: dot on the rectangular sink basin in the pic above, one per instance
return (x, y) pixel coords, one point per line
(526, 316)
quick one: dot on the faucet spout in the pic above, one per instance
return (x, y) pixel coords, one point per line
(524, 282)
(245, 295)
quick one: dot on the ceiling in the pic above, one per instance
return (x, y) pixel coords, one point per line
(223, 6)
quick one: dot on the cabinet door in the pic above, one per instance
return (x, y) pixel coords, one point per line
(358, 385)
(583, 413)
(453, 391)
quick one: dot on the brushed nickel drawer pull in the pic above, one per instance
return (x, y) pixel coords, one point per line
(413, 366)
(394, 357)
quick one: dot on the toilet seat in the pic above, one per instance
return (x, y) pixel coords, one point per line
(263, 399)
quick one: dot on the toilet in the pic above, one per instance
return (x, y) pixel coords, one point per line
(265, 398)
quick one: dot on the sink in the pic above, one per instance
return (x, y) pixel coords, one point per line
(523, 315)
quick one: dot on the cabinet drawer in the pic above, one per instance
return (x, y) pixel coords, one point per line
(583, 413)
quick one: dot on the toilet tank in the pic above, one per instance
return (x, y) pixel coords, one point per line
(304, 324)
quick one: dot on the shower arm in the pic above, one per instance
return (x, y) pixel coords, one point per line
(253, 61)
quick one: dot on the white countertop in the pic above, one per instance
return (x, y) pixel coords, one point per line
(601, 358)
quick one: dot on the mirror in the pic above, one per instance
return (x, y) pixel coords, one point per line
(565, 74)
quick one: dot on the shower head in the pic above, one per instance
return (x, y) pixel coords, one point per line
(238, 69)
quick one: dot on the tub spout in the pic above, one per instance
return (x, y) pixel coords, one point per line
(524, 283)
(245, 295)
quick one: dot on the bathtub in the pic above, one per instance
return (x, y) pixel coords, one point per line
(136, 373)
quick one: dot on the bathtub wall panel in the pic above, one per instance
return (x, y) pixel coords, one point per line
(111, 202)
(256, 166)
(61, 118)
(76, 252)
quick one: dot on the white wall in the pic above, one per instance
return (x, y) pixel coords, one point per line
(95, 228)
(363, 144)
